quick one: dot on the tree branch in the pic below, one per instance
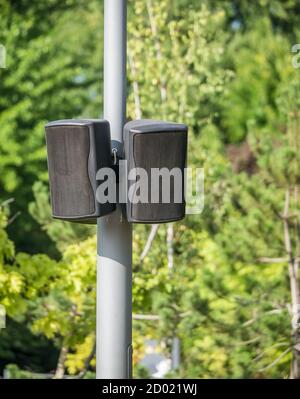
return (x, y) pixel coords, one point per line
(276, 360)
(14, 217)
(135, 85)
(60, 369)
(156, 317)
(294, 287)
(149, 242)
(170, 238)
(163, 87)
(87, 362)
(273, 260)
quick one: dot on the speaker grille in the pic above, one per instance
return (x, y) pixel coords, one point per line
(160, 150)
(68, 154)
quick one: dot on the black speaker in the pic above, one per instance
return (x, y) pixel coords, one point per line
(155, 146)
(76, 150)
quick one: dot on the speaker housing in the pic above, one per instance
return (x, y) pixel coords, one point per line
(155, 144)
(76, 150)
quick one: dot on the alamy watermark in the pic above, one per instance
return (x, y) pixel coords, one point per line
(296, 57)
(2, 317)
(2, 56)
(159, 186)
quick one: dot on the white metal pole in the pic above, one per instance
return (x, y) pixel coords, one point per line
(114, 270)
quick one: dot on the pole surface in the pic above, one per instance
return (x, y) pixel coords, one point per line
(114, 233)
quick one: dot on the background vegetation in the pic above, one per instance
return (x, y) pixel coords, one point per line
(224, 283)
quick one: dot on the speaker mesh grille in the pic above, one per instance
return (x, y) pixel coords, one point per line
(160, 150)
(68, 152)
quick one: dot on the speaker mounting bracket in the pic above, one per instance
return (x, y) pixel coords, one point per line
(117, 154)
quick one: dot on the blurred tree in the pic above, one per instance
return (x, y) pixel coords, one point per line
(53, 71)
(224, 282)
(61, 233)
(263, 210)
(53, 299)
(183, 56)
(183, 68)
(259, 59)
(18, 345)
(253, 305)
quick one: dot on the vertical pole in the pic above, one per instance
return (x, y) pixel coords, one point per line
(114, 234)
(175, 353)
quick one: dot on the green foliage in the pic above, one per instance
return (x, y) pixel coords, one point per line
(61, 298)
(183, 58)
(219, 288)
(261, 61)
(54, 299)
(141, 372)
(61, 233)
(20, 346)
(222, 283)
(53, 66)
(14, 372)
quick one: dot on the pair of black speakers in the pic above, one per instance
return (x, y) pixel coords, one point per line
(78, 149)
